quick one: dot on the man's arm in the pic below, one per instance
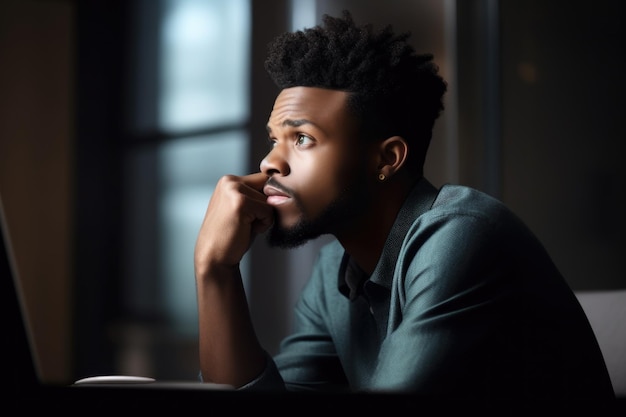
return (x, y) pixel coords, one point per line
(450, 327)
(230, 352)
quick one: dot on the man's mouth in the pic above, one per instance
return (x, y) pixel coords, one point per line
(275, 194)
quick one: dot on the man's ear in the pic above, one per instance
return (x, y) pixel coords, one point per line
(392, 153)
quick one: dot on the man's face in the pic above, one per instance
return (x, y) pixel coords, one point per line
(317, 166)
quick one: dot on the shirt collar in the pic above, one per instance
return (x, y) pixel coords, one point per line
(351, 277)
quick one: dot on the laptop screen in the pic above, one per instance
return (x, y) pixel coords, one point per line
(25, 369)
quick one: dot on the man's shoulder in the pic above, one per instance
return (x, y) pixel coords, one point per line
(464, 200)
(451, 194)
(332, 249)
(460, 209)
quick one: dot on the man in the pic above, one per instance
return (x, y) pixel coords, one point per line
(440, 293)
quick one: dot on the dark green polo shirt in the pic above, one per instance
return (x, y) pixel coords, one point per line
(464, 302)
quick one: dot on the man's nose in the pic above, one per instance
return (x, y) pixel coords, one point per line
(275, 162)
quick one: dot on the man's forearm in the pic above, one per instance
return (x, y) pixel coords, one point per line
(229, 349)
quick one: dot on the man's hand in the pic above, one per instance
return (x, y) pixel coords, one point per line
(230, 352)
(236, 213)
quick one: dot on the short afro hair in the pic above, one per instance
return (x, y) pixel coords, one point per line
(393, 90)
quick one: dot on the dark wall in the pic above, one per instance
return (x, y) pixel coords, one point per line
(36, 167)
(563, 97)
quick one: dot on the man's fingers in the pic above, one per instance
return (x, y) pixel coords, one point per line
(255, 181)
(261, 215)
(243, 196)
(264, 218)
(264, 213)
(249, 185)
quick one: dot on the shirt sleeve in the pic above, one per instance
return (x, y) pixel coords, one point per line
(447, 312)
(268, 380)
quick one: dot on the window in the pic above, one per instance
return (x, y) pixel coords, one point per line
(189, 126)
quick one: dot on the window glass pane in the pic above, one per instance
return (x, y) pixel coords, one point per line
(204, 63)
(303, 14)
(189, 170)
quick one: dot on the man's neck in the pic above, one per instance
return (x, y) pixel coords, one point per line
(365, 240)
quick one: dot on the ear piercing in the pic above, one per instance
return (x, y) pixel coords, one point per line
(381, 177)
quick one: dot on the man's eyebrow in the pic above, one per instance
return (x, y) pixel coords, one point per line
(297, 122)
(294, 123)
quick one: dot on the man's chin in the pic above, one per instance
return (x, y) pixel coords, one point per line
(289, 238)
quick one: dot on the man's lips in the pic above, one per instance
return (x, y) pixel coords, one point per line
(274, 195)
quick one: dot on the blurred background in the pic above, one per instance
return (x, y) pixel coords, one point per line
(118, 117)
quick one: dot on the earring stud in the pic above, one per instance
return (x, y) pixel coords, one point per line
(381, 177)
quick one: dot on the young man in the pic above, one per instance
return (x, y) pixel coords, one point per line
(434, 292)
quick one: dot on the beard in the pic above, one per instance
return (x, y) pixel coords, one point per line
(339, 214)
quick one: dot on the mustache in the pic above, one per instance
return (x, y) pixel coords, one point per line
(273, 183)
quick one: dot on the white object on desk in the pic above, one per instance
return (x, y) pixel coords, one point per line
(115, 379)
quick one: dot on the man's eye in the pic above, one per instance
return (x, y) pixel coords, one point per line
(303, 140)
